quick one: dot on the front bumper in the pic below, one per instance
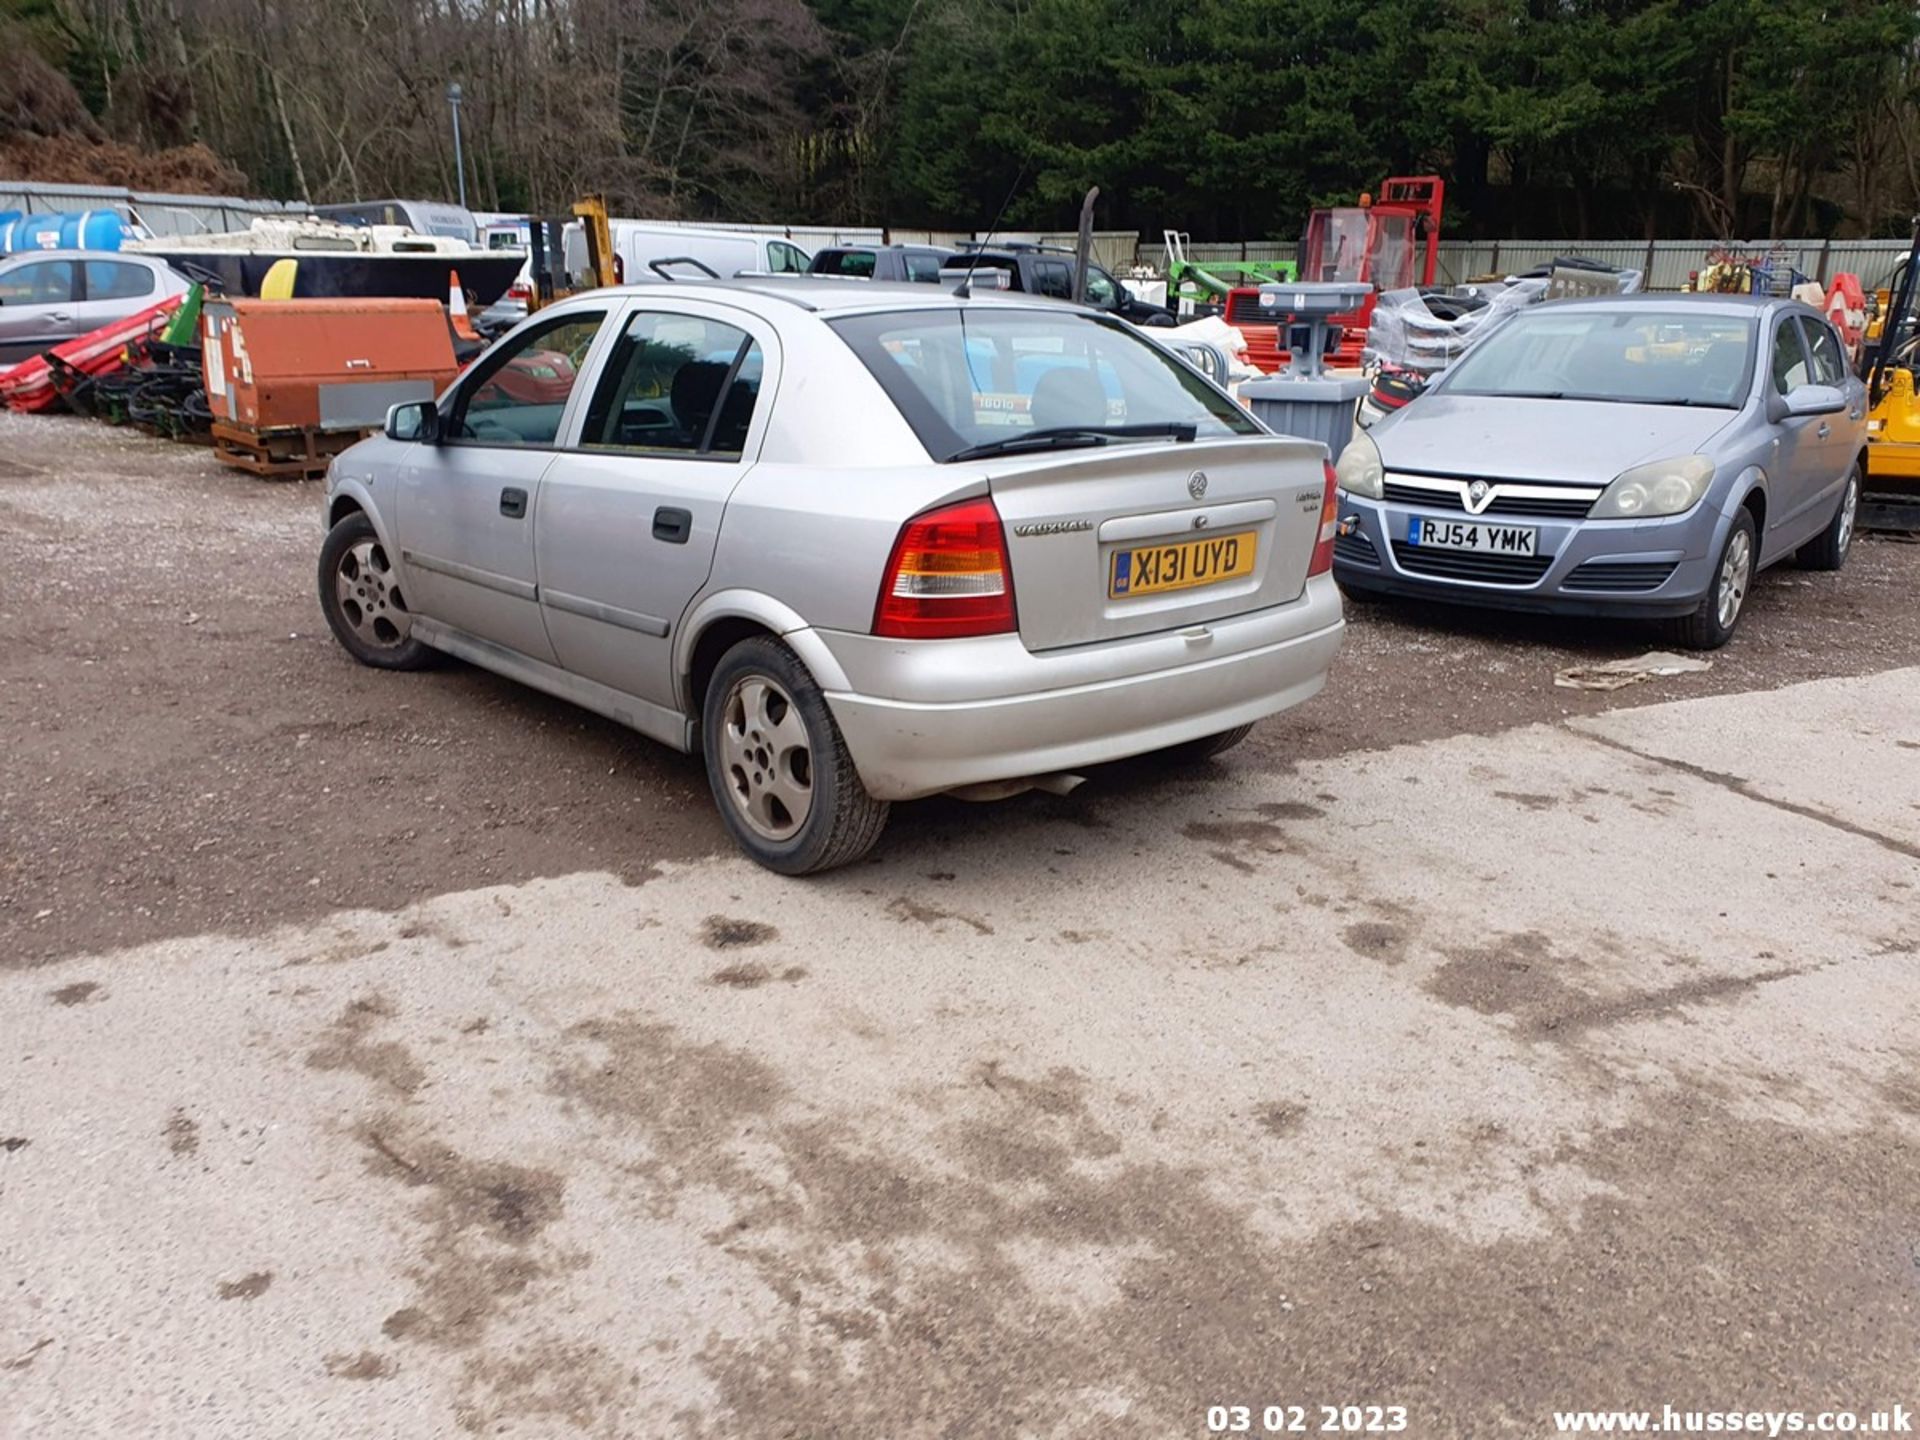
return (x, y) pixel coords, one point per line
(1666, 564)
(924, 716)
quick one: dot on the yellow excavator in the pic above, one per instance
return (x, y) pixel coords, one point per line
(1889, 364)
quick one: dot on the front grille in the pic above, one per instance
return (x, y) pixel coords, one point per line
(1573, 508)
(1620, 578)
(1470, 565)
(1356, 549)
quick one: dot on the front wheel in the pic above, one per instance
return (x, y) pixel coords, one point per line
(778, 766)
(1711, 625)
(361, 597)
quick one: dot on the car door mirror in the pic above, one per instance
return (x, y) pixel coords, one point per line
(1815, 400)
(416, 421)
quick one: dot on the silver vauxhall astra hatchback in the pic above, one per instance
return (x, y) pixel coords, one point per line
(851, 544)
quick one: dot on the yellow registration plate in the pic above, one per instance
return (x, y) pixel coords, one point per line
(1153, 569)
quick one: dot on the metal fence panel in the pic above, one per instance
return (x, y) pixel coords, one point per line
(162, 213)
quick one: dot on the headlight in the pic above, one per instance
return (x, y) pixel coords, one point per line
(1360, 471)
(1665, 487)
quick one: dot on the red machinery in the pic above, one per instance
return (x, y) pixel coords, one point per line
(1391, 243)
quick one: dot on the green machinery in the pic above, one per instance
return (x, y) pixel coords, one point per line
(1207, 282)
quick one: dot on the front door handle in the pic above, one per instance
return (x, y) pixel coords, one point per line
(672, 524)
(1824, 431)
(513, 503)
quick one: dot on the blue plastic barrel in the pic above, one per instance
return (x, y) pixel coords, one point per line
(63, 230)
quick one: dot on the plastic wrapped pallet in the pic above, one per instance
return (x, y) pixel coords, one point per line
(1406, 333)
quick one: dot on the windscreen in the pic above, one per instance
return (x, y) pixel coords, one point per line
(1336, 246)
(1628, 356)
(965, 377)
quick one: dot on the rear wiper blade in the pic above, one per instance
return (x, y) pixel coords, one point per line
(1060, 437)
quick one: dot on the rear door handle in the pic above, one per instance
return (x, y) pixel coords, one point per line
(672, 524)
(513, 503)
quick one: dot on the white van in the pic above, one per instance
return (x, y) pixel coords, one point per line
(653, 250)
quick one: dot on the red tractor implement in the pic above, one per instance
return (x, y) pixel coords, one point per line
(1390, 243)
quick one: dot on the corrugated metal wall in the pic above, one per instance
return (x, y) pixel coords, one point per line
(1665, 263)
(161, 213)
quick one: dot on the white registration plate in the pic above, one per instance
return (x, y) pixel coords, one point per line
(1472, 535)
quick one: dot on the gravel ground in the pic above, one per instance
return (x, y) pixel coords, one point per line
(188, 749)
(411, 1055)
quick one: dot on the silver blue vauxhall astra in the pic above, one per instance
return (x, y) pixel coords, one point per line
(1640, 455)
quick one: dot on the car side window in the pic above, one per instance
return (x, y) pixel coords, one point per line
(1789, 359)
(923, 268)
(857, 263)
(1052, 277)
(676, 385)
(785, 259)
(1824, 347)
(50, 282)
(117, 280)
(1101, 289)
(517, 394)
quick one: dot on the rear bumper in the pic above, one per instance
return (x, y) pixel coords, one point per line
(931, 715)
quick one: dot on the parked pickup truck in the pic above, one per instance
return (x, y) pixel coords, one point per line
(1048, 270)
(882, 262)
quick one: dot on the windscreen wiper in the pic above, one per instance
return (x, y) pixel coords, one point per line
(1064, 437)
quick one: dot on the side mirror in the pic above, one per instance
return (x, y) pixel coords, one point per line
(1816, 400)
(415, 421)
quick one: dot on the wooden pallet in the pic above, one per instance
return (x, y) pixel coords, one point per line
(282, 454)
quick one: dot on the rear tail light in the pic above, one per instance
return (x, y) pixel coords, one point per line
(520, 293)
(948, 576)
(1329, 523)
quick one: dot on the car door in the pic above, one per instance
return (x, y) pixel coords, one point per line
(629, 515)
(466, 506)
(38, 301)
(1840, 436)
(1795, 475)
(111, 290)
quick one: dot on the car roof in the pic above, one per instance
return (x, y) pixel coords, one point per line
(833, 295)
(1709, 302)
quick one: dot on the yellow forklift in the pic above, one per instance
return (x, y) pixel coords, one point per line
(1892, 357)
(548, 274)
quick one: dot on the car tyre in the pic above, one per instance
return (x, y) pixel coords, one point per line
(1714, 620)
(778, 766)
(1828, 551)
(1192, 752)
(362, 600)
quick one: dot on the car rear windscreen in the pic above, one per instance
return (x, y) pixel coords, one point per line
(963, 377)
(857, 263)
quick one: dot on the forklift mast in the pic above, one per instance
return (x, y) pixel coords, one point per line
(548, 254)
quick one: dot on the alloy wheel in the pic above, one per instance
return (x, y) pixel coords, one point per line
(1736, 570)
(767, 758)
(1849, 506)
(369, 598)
